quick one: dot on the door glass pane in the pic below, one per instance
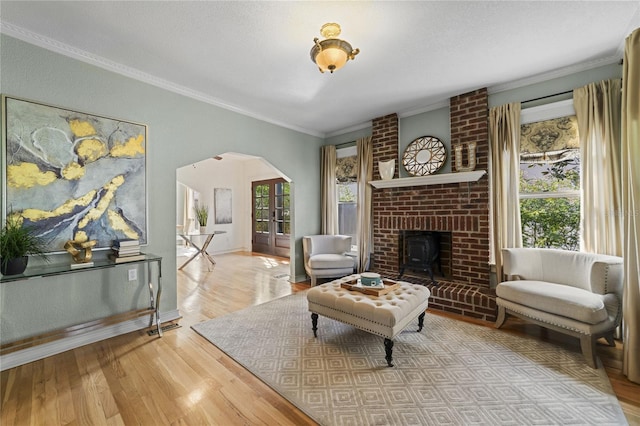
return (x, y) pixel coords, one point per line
(281, 205)
(262, 227)
(261, 212)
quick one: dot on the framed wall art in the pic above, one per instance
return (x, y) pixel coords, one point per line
(222, 205)
(72, 175)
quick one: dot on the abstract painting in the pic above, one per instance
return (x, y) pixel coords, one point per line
(222, 205)
(72, 175)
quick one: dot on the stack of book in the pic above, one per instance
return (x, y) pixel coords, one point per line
(126, 250)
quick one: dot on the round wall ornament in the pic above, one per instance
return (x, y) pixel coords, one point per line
(424, 156)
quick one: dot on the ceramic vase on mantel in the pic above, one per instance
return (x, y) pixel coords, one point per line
(386, 169)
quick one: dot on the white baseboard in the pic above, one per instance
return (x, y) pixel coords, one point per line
(24, 356)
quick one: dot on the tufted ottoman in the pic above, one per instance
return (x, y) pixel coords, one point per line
(385, 315)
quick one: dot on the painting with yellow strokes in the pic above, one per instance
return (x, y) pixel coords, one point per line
(73, 175)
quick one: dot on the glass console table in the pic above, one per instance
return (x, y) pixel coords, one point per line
(47, 270)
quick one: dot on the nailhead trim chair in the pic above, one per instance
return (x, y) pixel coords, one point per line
(579, 294)
(325, 256)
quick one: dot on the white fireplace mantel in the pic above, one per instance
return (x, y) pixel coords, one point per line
(444, 178)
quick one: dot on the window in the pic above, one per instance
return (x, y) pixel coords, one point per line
(550, 183)
(347, 189)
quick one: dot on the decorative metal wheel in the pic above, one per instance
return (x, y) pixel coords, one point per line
(424, 156)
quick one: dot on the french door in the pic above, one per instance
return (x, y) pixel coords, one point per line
(271, 217)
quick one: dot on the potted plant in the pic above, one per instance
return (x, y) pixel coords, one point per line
(17, 242)
(202, 214)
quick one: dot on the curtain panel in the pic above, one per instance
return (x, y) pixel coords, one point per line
(188, 221)
(598, 108)
(504, 133)
(328, 191)
(364, 228)
(631, 205)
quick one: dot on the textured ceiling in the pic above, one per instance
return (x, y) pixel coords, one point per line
(253, 57)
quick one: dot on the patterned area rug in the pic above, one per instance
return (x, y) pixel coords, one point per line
(451, 373)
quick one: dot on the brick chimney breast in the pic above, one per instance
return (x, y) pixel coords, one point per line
(460, 210)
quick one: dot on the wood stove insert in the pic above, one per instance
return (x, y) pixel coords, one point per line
(419, 251)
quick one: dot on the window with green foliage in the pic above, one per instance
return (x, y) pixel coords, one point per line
(550, 184)
(347, 188)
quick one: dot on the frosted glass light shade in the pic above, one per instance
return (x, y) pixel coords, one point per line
(331, 54)
(331, 59)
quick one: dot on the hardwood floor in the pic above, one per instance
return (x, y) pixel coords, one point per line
(181, 378)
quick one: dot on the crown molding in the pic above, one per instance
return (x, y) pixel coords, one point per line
(350, 129)
(408, 113)
(444, 103)
(550, 75)
(87, 57)
(634, 24)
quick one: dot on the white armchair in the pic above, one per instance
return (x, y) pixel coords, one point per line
(579, 294)
(326, 256)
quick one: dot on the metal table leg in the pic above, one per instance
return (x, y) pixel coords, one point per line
(202, 251)
(155, 301)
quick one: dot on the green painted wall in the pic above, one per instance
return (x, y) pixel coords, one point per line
(181, 131)
(348, 136)
(553, 86)
(432, 123)
(437, 122)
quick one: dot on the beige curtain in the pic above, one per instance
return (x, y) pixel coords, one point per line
(504, 132)
(365, 173)
(631, 205)
(597, 108)
(328, 196)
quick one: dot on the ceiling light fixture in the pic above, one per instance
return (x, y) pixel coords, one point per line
(332, 53)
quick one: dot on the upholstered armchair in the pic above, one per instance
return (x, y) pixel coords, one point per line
(326, 256)
(579, 294)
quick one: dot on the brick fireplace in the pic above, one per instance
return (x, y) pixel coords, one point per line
(461, 209)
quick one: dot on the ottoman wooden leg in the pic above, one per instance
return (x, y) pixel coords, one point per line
(420, 322)
(388, 350)
(314, 324)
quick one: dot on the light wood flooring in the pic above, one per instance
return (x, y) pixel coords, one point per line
(182, 379)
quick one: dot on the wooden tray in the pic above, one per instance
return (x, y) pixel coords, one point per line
(389, 286)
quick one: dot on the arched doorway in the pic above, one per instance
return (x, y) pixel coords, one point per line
(233, 174)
